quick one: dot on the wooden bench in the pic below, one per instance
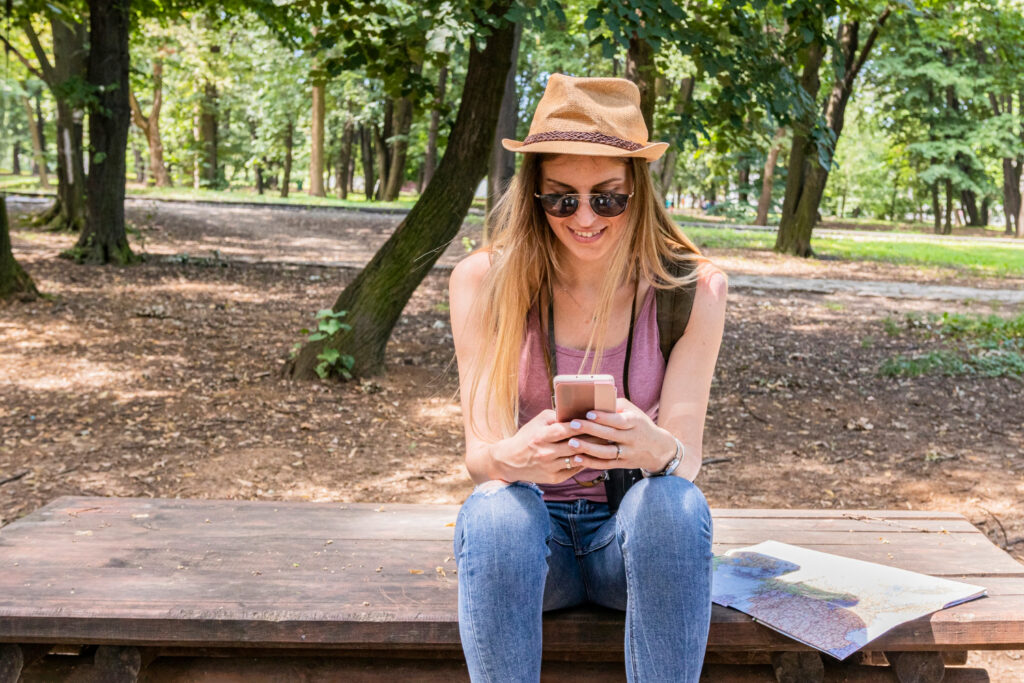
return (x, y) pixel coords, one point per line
(191, 590)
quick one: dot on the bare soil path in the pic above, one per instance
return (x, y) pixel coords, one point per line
(164, 380)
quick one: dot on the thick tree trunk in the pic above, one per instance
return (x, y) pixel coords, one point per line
(103, 240)
(344, 157)
(289, 142)
(69, 65)
(37, 144)
(502, 164)
(640, 69)
(807, 178)
(764, 203)
(430, 163)
(366, 152)
(150, 127)
(316, 148)
(14, 281)
(375, 299)
(399, 149)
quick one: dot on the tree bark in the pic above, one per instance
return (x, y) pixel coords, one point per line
(14, 281)
(640, 69)
(936, 208)
(341, 172)
(743, 181)
(430, 163)
(502, 164)
(103, 239)
(69, 64)
(807, 177)
(764, 203)
(316, 149)
(207, 129)
(399, 149)
(150, 127)
(37, 143)
(366, 152)
(969, 202)
(289, 142)
(375, 299)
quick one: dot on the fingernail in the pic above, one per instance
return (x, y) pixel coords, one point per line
(575, 424)
(574, 442)
(591, 415)
(577, 459)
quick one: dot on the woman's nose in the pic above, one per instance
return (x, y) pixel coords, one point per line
(585, 216)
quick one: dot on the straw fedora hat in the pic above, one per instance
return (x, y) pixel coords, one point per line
(589, 116)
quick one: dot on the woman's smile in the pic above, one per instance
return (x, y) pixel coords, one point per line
(588, 236)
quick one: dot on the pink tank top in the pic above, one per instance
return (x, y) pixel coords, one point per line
(646, 374)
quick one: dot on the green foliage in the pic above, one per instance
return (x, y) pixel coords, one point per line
(331, 360)
(984, 345)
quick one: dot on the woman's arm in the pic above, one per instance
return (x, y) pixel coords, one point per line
(691, 365)
(537, 452)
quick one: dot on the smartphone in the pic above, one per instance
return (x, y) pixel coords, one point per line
(575, 395)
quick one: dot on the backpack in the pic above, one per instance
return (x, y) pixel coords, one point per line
(674, 306)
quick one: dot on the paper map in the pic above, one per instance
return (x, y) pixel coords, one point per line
(831, 603)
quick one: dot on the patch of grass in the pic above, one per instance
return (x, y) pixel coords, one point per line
(985, 259)
(834, 306)
(985, 345)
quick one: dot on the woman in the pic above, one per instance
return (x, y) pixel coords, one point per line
(568, 284)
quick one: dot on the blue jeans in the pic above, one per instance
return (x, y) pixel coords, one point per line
(519, 556)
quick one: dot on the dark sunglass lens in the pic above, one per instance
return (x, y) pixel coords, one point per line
(609, 205)
(565, 206)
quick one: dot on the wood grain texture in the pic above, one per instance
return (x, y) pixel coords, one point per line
(229, 573)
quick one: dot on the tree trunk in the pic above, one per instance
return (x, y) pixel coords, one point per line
(806, 182)
(208, 171)
(947, 227)
(150, 127)
(344, 157)
(37, 144)
(640, 69)
(140, 165)
(316, 148)
(435, 121)
(936, 208)
(382, 161)
(743, 181)
(103, 240)
(399, 149)
(375, 299)
(764, 203)
(1012, 167)
(502, 164)
(289, 141)
(14, 281)
(69, 63)
(986, 202)
(664, 169)
(970, 205)
(366, 151)
(41, 127)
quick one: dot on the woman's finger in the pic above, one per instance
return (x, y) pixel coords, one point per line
(595, 429)
(597, 450)
(614, 420)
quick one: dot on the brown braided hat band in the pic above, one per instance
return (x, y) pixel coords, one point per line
(589, 116)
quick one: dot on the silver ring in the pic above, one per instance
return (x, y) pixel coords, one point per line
(618, 451)
(568, 464)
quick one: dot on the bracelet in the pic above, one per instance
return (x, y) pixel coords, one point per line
(672, 464)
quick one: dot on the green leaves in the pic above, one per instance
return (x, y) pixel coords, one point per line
(331, 358)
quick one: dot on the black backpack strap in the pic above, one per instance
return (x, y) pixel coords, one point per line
(674, 306)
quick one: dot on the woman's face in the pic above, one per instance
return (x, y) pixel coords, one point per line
(584, 234)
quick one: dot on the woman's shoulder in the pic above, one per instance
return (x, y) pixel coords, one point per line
(470, 271)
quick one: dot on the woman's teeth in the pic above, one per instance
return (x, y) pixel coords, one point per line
(585, 234)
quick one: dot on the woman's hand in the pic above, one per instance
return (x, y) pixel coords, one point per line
(635, 440)
(538, 452)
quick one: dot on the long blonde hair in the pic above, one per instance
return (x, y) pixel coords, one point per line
(524, 259)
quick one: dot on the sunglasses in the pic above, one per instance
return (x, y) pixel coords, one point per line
(605, 204)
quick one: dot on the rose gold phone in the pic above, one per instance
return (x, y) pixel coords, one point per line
(577, 394)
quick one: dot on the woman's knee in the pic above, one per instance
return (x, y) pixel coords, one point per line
(666, 505)
(508, 515)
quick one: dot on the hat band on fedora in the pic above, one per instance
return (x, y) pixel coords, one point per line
(582, 136)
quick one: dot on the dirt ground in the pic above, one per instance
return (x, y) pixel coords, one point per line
(164, 380)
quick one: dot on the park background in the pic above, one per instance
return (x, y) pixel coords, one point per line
(291, 183)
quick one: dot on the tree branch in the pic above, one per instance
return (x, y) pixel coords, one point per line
(868, 44)
(44, 63)
(137, 118)
(28, 65)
